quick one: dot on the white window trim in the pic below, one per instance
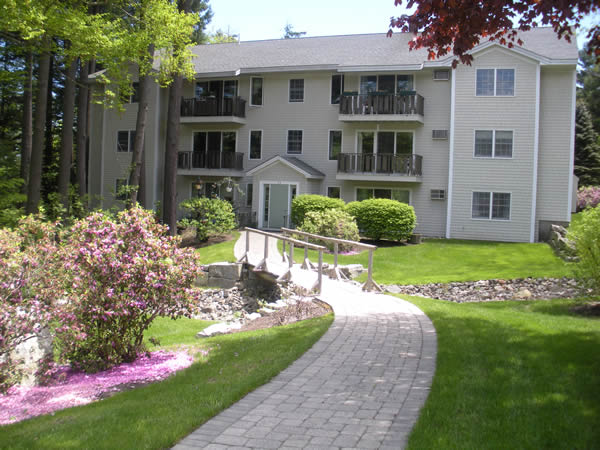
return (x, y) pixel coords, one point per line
(495, 69)
(493, 130)
(221, 142)
(375, 132)
(129, 150)
(393, 73)
(290, 90)
(250, 144)
(410, 193)
(329, 142)
(287, 134)
(331, 88)
(262, 97)
(490, 219)
(333, 186)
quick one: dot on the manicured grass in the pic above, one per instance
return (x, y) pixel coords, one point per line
(222, 252)
(159, 415)
(445, 260)
(511, 375)
(172, 333)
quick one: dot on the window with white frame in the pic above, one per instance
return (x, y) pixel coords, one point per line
(125, 140)
(294, 142)
(389, 142)
(491, 205)
(493, 144)
(296, 91)
(401, 195)
(335, 144)
(337, 87)
(255, 151)
(256, 91)
(495, 82)
(333, 192)
(390, 84)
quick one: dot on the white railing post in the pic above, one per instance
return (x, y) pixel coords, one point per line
(370, 284)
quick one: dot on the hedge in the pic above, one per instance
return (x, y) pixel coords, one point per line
(305, 203)
(380, 218)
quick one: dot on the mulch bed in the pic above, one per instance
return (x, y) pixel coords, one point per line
(284, 316)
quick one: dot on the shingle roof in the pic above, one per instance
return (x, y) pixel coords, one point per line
(293, 162)
(347, 51)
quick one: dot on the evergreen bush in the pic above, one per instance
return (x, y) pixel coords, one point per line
(585, 234)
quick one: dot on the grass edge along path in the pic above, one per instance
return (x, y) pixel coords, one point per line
(511, 375)
(447, 260)
(160, 414)
(221, 252)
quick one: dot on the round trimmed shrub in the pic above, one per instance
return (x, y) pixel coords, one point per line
(380, 218)
(305, 203)
(331, 223)
(210, 216)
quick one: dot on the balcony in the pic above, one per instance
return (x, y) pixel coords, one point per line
(379, 167)
(211, 163)
(213, 110)
(382, 107)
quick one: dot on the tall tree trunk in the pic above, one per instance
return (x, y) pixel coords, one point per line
(37, 148)
(66, 144)
(140, 129)
(143, 186)
(169, 206)
(27, 120)
(48, 180)
(82, 128)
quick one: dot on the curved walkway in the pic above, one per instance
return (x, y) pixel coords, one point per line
(360, 386)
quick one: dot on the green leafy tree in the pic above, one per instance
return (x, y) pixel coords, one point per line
(289, 33)
(222, 37)
(587, 150)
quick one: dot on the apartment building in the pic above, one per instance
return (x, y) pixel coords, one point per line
(481, 152)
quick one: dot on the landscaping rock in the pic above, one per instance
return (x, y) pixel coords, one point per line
(31, 353)
(219, 328)
(352, 270)
(562, 246)
(493, 290)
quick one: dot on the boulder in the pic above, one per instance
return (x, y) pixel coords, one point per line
(352, 270)
(31, 353)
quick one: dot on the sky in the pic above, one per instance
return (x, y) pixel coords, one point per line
(266, 19)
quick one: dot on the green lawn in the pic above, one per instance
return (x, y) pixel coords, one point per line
(511, 375)
(219, 252)
(445, 260)
(159, 415)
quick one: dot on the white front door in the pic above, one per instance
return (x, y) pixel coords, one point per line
(276, 200)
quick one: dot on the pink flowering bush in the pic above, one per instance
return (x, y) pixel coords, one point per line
(588, 197)
(118, 275)
(27, 258)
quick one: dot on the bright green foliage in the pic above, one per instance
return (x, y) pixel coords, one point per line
(381, 218)
(585, 233)
(10, 199)
(210, 216)
(222, 37)
(305, 203)
(331, 223)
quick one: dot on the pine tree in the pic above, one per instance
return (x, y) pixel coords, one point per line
(587, 150)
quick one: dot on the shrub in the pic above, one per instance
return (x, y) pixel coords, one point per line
(588, 197)
(210, 216)
(379, 218)
(331, 223)
(27, 256)
(585, 234)
(119, 275)
(305, 203)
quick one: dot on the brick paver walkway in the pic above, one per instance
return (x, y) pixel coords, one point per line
(360, 386)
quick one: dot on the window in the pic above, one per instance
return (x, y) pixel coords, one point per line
(120, 191)
(493, 144)
(256, 91)
(125, 140)
(390, 84)
(389, 142)
(491, 205)
(333, 191)
(249, 191)
(400, 195)
(335, 144)
(214, 141)
(441, 75)
(255, 144)
(495, 82)
(337, 87)
(438, 194)
(296, 91)
(294, 142)
(230, 88)
(366, 142)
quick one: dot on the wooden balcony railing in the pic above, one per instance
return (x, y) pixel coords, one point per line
(381, 163)
(212, 106)
(381, 103)
(210, 160)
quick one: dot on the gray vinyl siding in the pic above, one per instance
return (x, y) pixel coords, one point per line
(555, 140)
(516, 113)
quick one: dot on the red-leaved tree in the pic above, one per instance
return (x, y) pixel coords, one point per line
(457, 26)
